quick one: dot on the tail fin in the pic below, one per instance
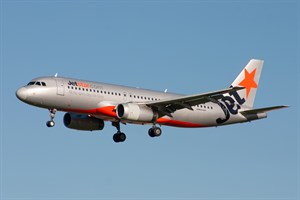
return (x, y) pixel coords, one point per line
(249, 78)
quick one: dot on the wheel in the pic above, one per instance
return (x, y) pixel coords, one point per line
(156, 131)
(116, 138)
(150, 132)
(50, 123)
(119, 137)
(122, 137)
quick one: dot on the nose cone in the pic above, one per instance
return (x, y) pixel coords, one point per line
(22, 94)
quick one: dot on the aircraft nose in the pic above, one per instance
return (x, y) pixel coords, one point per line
(22, 94)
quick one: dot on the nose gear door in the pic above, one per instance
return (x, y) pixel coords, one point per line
(60, 87)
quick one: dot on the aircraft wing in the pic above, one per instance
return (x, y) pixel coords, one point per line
(168, 106)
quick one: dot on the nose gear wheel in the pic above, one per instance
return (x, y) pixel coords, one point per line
(51, 123)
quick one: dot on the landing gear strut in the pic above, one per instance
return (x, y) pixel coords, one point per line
(119, 136)
(154, 131)
(51, 123)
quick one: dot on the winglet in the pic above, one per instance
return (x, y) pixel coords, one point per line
(55, 75)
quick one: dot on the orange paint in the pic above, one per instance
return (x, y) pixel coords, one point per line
(82, 84)
(107, 110)
(248, 81)
(177, 123)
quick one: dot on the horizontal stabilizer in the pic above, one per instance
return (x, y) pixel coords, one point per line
(263, 110)
(259, 113)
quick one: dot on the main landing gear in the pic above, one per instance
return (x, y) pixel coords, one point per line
(119, 136)
(51, 123)
(154, 131)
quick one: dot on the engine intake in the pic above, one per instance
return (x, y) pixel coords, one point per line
(82, 122)
(135, 112)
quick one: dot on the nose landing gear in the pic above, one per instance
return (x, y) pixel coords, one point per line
(51, 123)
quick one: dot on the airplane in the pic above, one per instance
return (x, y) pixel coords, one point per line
(88, 104)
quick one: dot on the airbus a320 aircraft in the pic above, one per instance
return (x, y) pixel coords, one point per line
(88, 104)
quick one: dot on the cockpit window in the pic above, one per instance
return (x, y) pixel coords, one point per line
(37, 83)
(31, 83)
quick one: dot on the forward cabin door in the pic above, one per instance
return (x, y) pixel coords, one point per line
(60, 87)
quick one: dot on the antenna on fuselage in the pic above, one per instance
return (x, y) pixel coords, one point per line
(55, 75)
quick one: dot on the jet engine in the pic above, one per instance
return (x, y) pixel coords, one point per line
(135, 112)
(83, 122)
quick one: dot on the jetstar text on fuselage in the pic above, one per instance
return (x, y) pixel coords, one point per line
(79, 84)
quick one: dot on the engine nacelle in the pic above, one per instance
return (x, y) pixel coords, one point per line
(82, 122)
(135, 112)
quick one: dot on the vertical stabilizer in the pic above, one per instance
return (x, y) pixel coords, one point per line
(249, 78)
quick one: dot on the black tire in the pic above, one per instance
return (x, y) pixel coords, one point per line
(116, 138)
(122, 137)
(150, 132)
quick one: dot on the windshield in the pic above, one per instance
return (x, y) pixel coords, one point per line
(37, 83)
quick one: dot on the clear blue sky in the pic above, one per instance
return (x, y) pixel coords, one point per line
(186, 46)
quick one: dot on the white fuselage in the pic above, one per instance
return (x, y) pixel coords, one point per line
(100, 100)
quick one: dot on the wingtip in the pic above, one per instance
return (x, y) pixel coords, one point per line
(283, 106)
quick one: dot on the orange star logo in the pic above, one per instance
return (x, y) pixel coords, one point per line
(248, 81)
